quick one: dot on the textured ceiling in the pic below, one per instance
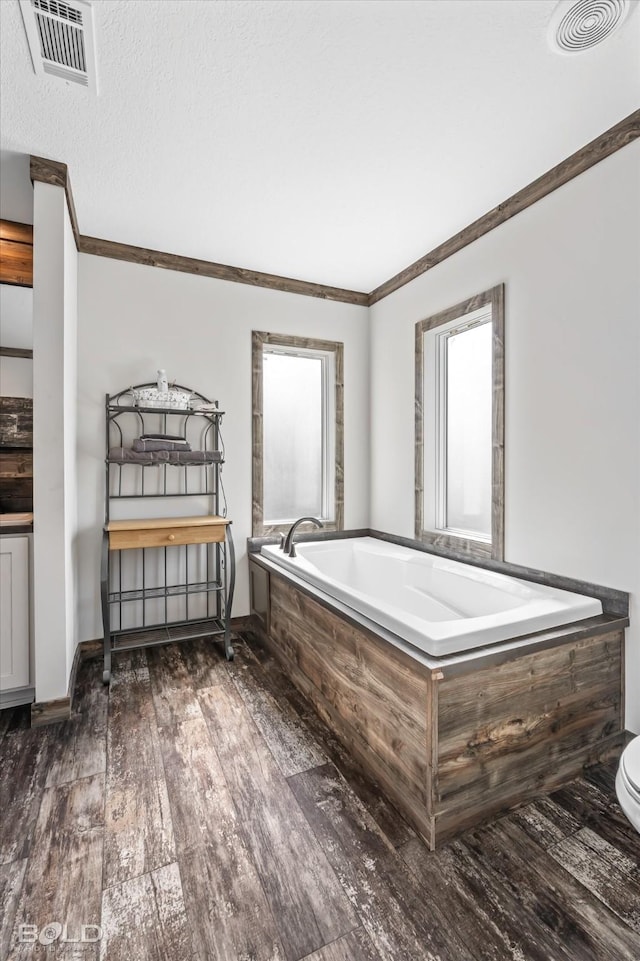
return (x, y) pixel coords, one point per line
(333, 141)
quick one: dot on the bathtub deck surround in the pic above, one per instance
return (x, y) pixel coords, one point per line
(451, 740)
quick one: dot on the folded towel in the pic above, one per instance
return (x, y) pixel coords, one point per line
(195, 457)
(174, 437)
(125, 455)
(141, 444)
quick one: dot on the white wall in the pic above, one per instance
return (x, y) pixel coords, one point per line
(16, 316)
(70, 402)
(135, 319)
(570, 264)
(16, 192)
(54, 441)
(16, 330)
(16, 377)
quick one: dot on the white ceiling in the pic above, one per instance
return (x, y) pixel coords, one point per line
(335, 141)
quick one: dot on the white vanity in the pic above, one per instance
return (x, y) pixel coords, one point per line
(16, 471)
(15, 634)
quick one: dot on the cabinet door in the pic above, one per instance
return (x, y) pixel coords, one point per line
(14, 612)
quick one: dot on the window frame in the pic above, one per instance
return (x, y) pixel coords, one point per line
(335, 436)
(454, 317)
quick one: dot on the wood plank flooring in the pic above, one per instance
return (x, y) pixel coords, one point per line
(201, 810)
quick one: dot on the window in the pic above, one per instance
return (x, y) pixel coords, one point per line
(297, 431)
(460, 427)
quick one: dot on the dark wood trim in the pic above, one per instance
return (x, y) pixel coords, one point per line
(607, 143)
(56, 173)
(257, 489)
(21, 352)
(258, 340)
(497, 429)
(92, 648)
(241, 623)
(46, 171)
(79, 655)
(206, 268)
(475, 549)
(50, 712)
(626, 131)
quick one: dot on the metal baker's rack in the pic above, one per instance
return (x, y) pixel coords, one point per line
(169, 577)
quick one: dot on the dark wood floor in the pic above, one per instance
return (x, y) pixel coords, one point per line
(201, 810)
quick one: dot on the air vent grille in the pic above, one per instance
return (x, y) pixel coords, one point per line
(61, 43)
(60, 36)
(578, 26)
(62, 10)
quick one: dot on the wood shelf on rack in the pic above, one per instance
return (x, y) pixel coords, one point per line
(166, 531)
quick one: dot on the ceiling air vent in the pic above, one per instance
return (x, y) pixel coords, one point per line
(578, 25)
(60, 36)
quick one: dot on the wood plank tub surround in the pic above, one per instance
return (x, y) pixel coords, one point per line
(453, 741)
(378, 698)
(529, 725)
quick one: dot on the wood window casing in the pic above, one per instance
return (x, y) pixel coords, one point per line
(443, 538)
(259, 339)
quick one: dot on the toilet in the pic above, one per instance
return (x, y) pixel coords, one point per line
(628, 782)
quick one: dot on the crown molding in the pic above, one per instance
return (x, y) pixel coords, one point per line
(207, 268)
(21, 353)
(56, 174)
(625, 132)
(609, 142)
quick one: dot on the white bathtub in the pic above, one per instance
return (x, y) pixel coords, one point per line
(439, 606)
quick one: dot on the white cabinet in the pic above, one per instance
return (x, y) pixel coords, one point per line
(14, 612)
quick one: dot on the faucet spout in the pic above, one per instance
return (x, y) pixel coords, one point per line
(289, 547)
